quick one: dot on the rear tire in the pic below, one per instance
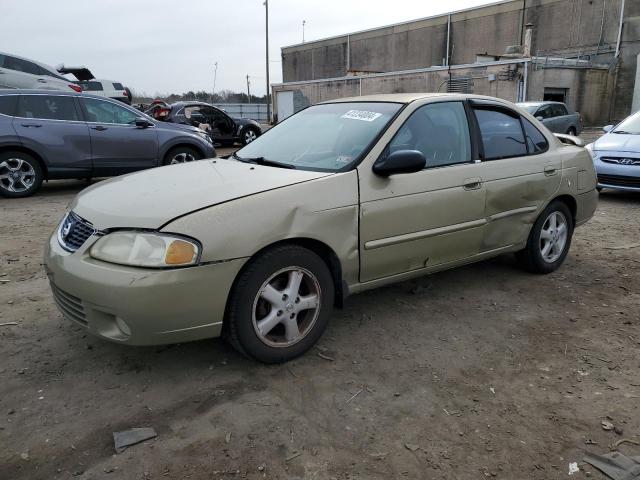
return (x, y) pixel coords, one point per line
(549, 240)
(181, 155)
(280, 304)
(572, 131)
(20, 174)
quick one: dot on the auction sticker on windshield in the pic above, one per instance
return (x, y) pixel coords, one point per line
(361, 115)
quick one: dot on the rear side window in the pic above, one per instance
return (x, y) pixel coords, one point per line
(47, 107)
(8, 104)
(90, 86)
(440, 131)
(559, 110)
(20, 65)
(502, 135)
(545, 112)
(536, 141)
(118, 86)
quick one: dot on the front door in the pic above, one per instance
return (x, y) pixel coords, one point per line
(117, 144)
(428, 218)
(51, 126)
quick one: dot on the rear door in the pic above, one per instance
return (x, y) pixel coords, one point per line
(520, 175)
(51, 126)
(433, 217)
(117, 144)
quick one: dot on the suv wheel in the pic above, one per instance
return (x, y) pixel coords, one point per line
(549, 240)
(280, 304)
(249, 134)
(20, 174)
(181, 155)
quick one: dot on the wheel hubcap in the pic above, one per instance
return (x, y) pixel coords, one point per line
(286, 307)
(250, 136)
(182, 158)
(16, 175)
(553, 237)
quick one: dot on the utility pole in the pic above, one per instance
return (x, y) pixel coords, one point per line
(248, 90)
(266, 30)
(215, 76)
(304, 22)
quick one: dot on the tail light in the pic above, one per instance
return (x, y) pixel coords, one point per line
(124, 92)
(75, 88)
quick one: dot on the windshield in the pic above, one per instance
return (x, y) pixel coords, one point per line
(329, 137)
(631, 125)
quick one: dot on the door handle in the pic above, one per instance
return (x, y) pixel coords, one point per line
(550, 170)
(472, 184)
(99, 128)
(34, 125)
(42, 80)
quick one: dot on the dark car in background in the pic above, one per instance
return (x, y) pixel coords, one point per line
(222, 128)
(53, 135)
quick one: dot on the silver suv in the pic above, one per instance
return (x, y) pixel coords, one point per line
(52, 134)
(17, 72)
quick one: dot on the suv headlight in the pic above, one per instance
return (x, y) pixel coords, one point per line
(146, 249)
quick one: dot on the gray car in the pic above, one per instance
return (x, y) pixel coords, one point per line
(51, 135)
(555, 116)
(616, 155)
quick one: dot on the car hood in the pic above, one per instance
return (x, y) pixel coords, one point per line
(618, 142)
(177, 126)
(154, 197)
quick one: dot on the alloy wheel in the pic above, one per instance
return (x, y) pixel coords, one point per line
(249, 136)
(182, 157)
(16, 175)
(286, 307)
(553, 236)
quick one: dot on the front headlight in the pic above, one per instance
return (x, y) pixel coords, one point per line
(205, 136)
(146, 249)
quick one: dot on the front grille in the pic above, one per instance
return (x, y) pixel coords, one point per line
(621, 160)
(70, 306)
(619, 180)
(74, 231)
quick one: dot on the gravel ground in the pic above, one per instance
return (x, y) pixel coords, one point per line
(482, 371)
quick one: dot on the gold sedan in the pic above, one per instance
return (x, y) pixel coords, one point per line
(342, 197)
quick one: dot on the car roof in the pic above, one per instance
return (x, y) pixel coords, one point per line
(71, 93)
(40, 64)
(535, 104)
(413, 97)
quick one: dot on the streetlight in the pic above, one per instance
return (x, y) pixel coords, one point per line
(266, 30)
(304, 22)
(215, 76)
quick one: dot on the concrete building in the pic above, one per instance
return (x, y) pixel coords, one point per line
(583, 52)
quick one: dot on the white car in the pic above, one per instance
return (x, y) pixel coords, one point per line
(18, 72)
(106, 88)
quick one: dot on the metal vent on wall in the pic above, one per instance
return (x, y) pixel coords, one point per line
(460, 85)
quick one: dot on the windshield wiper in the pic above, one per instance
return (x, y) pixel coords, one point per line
(624, 132)
(262, 161)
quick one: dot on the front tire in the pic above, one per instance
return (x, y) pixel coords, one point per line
(181, 155)
(549, 240)
(248, 135)
(572, 131)
(280, 304)
(20, 175)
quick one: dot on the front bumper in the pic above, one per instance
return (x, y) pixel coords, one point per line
(138, 306)
(617, 176)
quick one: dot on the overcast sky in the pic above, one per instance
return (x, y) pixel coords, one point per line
(170, 46)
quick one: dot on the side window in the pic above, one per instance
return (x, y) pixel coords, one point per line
(47, 107)
(501, 134)
(20, 65)
(559, 110)
(440, 131)
(118, 86)
(536, 142)
(100, 111)
(90, 86)
(544, 112)
(195, 115)
(8, 104)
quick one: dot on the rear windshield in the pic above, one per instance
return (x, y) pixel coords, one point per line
(329, 137)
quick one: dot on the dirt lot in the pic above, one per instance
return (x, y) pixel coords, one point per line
(484, 371)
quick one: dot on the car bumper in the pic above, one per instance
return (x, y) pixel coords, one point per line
(139, 306)
(616, 176)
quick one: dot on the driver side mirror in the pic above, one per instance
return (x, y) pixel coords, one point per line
(400, 161)
(143, 123)
(607, 128)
